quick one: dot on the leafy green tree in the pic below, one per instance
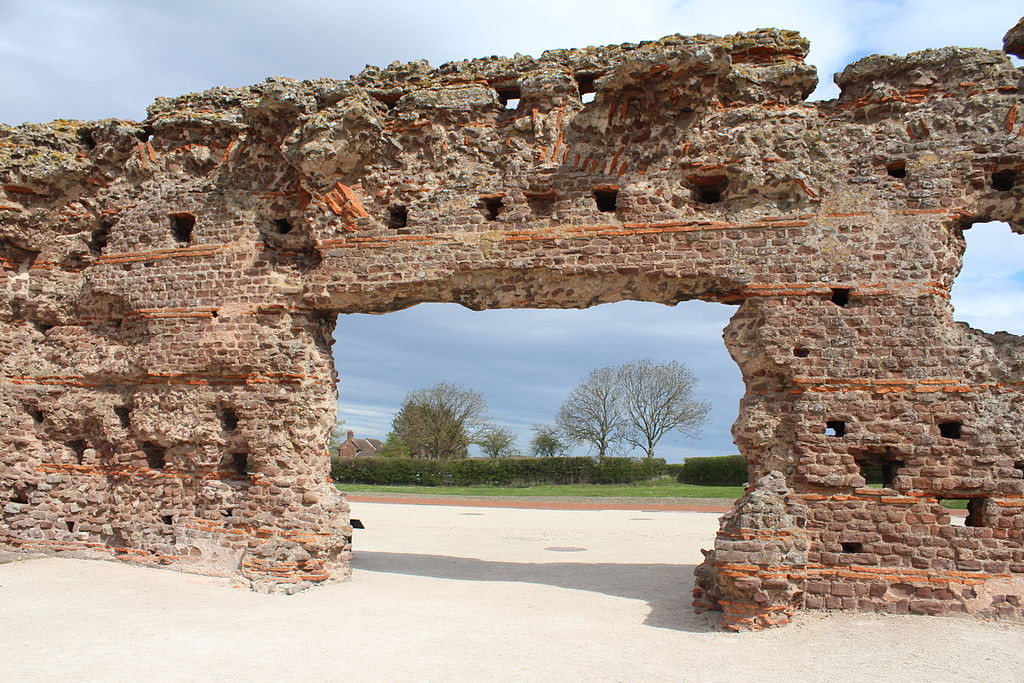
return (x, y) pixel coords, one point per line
(496, 442)
(547, 441)
(394, 447)
(440, 422)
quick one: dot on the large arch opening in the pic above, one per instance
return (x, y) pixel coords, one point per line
(525, 361)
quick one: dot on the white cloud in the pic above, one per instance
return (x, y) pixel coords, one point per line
(366, 420)
(68, 59)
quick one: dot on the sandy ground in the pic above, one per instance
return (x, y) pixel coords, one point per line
(450, 593)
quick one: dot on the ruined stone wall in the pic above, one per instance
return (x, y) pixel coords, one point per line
(171, 286)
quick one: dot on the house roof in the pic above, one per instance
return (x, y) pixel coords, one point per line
(371, 445)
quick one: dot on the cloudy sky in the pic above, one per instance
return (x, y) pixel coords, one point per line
(91, 59)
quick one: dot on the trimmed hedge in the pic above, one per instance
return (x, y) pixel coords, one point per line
(495, 471)
(674, 470)
(726, 470)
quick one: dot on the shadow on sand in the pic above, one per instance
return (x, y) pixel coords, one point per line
(664, 587)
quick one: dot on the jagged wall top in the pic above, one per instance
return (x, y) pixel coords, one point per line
(759, 66)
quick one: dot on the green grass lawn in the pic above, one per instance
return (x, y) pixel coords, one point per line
(651, 490)
(648, 490)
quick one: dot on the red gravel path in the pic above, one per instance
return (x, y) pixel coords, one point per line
(533, 505)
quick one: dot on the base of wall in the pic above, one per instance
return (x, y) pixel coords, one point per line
(265, 569)
(267, 554)
(759, 574)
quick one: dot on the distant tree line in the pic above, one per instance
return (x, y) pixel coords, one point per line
(728, 470)
(630, 406)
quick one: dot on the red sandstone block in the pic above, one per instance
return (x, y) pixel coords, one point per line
(841, 589)
(932, 607)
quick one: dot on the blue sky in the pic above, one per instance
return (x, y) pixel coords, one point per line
(111, 58)
(989, 292)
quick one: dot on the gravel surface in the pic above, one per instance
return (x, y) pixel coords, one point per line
(445, 593)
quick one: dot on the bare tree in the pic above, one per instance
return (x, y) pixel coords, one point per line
(657, 399)
(496, 442)
(546, 442)
(440, 422)
(592, 414)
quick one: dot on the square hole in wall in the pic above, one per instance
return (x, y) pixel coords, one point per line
(975, 509)
(124, 416)
(156, 458)
(242, 463)
(835, 428)
(78, 448)
(709, 189)
(585, 83)
(182, 225)
(841, 296)
(1004, 180)
(879, 467)
(388, 100)
(897, 169)
(950, 430)
(228, 419)
(606, 198)
(509, 97)
(491, 206)
(852, 547)
(98, 240)
(398, 216)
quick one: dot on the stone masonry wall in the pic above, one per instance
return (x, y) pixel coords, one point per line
(170, 290)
